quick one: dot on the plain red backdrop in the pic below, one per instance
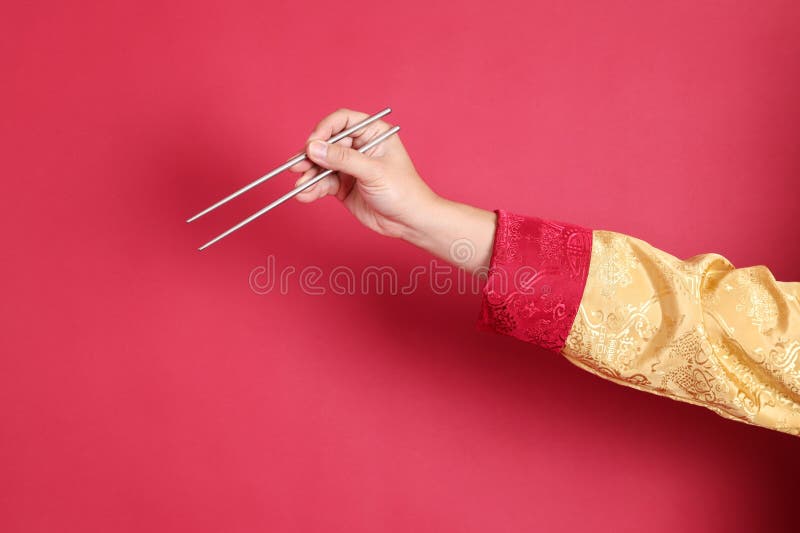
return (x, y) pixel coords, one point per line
(145, 387)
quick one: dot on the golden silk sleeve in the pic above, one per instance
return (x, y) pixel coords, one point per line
(696, 330)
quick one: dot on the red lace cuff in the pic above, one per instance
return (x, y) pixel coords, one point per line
(536, 279)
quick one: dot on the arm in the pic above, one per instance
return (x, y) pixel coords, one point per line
(698, 331)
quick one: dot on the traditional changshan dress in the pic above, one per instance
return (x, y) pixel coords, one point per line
(699, 330)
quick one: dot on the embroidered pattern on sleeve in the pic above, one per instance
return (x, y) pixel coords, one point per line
(536, 279)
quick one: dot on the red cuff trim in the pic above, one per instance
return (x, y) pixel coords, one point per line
(536, 279)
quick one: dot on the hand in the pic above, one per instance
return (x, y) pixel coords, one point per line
(381, 187)
(383, 190)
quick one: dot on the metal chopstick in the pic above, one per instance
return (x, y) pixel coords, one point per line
(293, 161)
(297, 190)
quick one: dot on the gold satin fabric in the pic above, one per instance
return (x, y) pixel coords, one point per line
(698, 331)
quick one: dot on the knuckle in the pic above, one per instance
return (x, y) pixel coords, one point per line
(351, 114)
(340, 154)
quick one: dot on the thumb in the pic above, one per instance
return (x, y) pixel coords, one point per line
(338, 157)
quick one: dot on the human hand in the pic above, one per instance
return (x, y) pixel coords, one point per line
(383, 190)
(381, 187)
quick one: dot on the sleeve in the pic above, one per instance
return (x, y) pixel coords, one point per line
(698, 331)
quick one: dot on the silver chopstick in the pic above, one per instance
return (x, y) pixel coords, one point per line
(297, 190)
(293, 161)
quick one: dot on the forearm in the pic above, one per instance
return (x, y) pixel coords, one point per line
(458, 233)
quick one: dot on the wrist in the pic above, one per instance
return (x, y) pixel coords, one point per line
(422, 228)
(458, 233)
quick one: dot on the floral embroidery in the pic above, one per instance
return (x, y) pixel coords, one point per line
(698, 331)
(536, 279)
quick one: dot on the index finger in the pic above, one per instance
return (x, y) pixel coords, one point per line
(339, 120)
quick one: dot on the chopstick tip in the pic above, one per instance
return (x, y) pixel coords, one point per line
(195, 217)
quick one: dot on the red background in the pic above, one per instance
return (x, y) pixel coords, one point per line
(145, 387)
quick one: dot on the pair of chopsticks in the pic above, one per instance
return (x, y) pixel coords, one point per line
(300, 188)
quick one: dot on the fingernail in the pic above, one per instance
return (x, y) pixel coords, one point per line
(318, 149)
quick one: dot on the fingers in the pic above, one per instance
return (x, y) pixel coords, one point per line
(338, 121)
(328, 185)
(344, 159)
(335, 122)
(302, 166)
(343, 119)
(305, 165)
(340, 156)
